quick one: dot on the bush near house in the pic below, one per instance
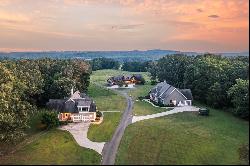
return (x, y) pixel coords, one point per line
(98, 114)
(143, 97)
(159, 104)
(142, 81)
(50, 119)
(153, 82)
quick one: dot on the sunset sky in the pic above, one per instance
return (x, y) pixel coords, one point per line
(185, 25)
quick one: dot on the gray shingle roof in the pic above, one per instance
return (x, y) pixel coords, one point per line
(167, 92)
(163, 90)
(70, 104)
(187, 93)
(83, 102)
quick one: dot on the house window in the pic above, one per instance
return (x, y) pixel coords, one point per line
(84, 108)
(171, 101)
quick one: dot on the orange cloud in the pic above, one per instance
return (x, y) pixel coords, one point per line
(12, 17)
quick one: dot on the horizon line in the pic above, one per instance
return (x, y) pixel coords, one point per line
(37, 51)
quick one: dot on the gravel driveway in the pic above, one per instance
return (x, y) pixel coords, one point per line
(79, 132)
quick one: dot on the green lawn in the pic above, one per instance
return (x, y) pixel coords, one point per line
(106, 99)
(144, 108)
(185, 138)
(141, 90)
(54, 147)
(104, 131)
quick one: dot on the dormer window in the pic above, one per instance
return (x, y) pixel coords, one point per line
(83, 109)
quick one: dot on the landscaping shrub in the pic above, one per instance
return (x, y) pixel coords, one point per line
(153, 82)
(142, 82)
(63, 122)
(98, 114)
(141, 97)
(170, 105)
(50, 119)
(159, 104)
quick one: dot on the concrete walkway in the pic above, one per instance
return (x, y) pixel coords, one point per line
(79, 132)
(175, 110)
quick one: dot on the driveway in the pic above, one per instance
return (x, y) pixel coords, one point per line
(110, 148)
(173, 111)
(79, 132)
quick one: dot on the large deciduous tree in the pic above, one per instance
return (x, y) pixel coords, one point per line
(239, 93)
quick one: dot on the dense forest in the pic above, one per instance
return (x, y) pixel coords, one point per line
(221, 82)
(108, 63)
(104, 63)
(26, 85)
(135, 66)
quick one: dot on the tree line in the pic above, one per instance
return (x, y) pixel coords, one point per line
(221, 82)
(108, 63)
(26, 85)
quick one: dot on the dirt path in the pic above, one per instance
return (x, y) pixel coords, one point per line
(110, 148)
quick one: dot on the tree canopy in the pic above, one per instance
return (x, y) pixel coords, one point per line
(28, 84)
(208, 76)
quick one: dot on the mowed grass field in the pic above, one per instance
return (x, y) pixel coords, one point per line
(144, 108)
(108, 100)
(55, 147)
(185, 138)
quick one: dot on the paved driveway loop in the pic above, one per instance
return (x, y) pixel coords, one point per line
(79, 132)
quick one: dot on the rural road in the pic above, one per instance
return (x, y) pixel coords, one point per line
(110, 148)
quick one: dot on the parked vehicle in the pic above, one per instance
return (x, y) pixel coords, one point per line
(204, 111)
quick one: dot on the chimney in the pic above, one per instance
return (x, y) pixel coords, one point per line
(72, 91)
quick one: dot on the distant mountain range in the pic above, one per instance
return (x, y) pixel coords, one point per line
(134, 55)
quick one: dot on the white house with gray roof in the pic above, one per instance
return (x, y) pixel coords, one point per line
(77, 108)
(166, 94)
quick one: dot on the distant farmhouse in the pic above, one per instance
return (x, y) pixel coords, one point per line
(166, 94)
(126, 79)
(78, 107)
